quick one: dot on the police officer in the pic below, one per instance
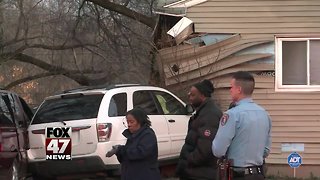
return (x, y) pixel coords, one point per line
(244, 131)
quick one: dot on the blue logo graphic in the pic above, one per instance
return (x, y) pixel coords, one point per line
(294, 160)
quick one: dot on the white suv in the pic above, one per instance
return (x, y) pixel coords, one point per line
(97, 118)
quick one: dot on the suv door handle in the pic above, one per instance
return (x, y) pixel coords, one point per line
(172, 121)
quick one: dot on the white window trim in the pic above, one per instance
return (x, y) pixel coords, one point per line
(279, 87)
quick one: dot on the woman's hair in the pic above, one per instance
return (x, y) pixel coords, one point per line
(140, 115)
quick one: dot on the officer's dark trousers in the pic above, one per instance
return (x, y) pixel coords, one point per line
(250, 177)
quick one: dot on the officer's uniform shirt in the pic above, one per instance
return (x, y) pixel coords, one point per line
(244, 134)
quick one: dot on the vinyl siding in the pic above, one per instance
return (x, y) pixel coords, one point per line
(254, 23)
(256, 16)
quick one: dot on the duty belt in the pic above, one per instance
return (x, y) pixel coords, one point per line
(240, 171)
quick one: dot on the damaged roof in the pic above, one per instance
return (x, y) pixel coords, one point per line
(176, 7)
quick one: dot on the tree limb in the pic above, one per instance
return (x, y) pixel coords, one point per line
(60, 47)
(42, 75)
(29, 78)
(15, 41)
(126, 3)
(149, 21)
(81, 79)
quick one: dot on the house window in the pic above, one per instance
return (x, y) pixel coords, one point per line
(297, 64)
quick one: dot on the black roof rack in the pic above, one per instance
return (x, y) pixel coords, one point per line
(106, 87)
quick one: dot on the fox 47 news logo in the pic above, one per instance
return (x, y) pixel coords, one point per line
(58, 143)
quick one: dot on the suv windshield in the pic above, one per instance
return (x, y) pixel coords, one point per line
(68, 107)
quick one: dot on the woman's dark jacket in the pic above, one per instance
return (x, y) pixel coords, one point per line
(139, 156)
(196, 160)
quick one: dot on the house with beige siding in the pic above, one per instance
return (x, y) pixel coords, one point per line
(278, 41)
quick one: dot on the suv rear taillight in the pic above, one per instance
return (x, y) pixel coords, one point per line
(104, 131)
(0, 147)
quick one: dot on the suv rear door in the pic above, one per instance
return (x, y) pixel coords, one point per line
(77, 110)
(15, 116)
(22, 116)
(175, 114)
(145, 100)
(8, 131)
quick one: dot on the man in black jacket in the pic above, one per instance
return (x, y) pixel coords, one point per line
(196, 161)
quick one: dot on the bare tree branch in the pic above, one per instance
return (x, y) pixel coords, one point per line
(75, 59)
(43, 75)
(126, 3)
(35, 5)
(15, 41)
(81, 79)
(149, 21)
(152, 2)
(98, 54)
(78, 18)
(21, 18)
(124, 35)
(112, 39)
(61, 47)
(44, 46)
(27, 79)
(53, 29)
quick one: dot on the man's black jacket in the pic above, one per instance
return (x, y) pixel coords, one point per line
(196, 160)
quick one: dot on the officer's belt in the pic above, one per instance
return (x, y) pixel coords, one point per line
(241, 171)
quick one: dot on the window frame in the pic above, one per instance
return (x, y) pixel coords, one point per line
(279, 87)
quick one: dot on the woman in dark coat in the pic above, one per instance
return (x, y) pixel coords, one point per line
(139, 156)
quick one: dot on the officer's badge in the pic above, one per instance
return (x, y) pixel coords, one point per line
(224, 119)
(207, 132)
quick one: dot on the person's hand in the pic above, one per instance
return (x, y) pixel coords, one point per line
(113, 151)
(181, 168)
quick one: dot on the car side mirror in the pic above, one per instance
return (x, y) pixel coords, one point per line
(189, 108)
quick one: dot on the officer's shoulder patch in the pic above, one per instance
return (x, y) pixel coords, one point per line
(224, 119)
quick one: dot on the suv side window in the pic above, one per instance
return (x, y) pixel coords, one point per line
(118, 105)
(26, 108)
(144, 100)
(169, 104)
(5, 116)
(14, 105)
